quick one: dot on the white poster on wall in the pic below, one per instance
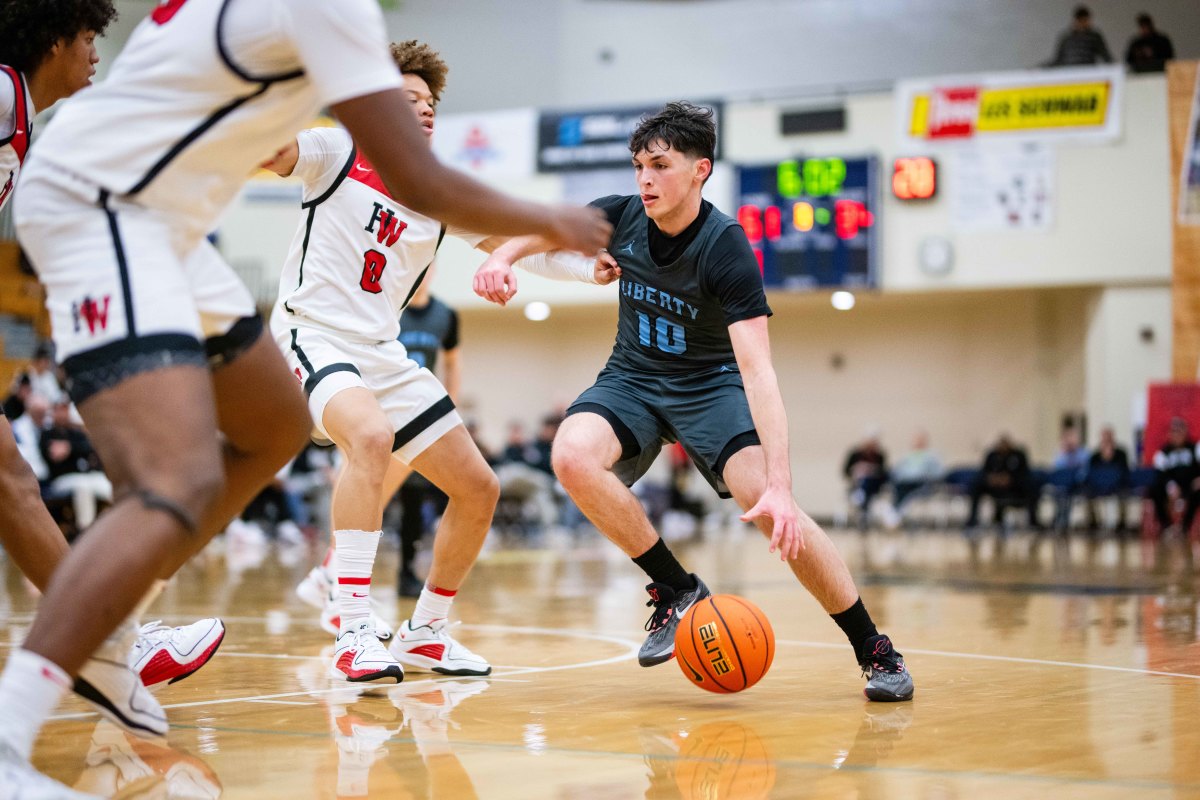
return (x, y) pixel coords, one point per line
(498, 144)
(1003, 187)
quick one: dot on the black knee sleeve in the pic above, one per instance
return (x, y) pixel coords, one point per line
(156, 502)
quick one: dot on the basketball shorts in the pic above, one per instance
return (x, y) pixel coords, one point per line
(128, 290)
(326, 363)
(707, 412)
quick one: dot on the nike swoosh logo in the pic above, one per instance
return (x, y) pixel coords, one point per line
(356, 594)
(361, 168)
(696, 676)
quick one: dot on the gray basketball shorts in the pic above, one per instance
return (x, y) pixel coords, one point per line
(706, 411)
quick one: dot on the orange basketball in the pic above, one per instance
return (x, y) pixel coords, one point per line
(724, 644)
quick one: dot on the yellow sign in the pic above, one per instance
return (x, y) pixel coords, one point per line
(1076, 105)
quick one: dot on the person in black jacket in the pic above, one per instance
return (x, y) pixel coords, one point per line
(1005, 478)
(1150, 50)
(1108, 458)
(1176, 475)
(1081, 44)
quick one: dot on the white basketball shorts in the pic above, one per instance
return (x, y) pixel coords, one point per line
(325, 363)
(127, 288)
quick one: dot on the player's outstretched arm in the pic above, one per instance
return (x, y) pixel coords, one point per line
(285, 159)
(752, 348)
(495, 280)
(384, 127)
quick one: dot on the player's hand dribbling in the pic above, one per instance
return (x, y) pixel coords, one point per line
(495, 280)
(786, 534)
(585, 230)
(606, 269)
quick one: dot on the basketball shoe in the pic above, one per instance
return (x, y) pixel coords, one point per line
(430, 648)
(669, 605)
(331, 621)
(169, 654)
(887, 678)
(115, 690)
(115, 760)
(20, 781)
(359, 657)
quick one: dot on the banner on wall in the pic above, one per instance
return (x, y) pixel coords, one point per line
(497, 144)
(1082, 104)
(1005, 186)
(1189, 170)
(594, 139)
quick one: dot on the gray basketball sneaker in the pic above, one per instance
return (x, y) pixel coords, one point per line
(888, 679)
(669, 606)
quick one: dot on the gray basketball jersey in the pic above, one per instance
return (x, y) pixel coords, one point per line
(425, 331)
(669, 320)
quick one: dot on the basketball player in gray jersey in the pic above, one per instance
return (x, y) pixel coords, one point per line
(691, 364)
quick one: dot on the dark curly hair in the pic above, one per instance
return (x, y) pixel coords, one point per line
(29, 28)
(422, 60)
(681, 126)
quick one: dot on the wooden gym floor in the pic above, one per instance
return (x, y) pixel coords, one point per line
(1042, 670)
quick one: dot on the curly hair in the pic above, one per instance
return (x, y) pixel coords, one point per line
(29, 28)
(681, 126)
(420, 59)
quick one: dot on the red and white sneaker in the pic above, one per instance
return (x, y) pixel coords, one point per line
(432, 649)
(169, 654)
(359, 657)
(113, 687)
(331, 621)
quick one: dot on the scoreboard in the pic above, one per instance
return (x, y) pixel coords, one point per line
(811, 222)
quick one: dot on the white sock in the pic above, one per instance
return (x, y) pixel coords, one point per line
(433, 604)
(30, 689)
(355, 556)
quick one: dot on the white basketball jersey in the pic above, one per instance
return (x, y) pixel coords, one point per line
(207, 89)
(358, 256)
(16, 124)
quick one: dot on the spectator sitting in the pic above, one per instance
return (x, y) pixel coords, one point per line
(1150, 50)
(27, 430)
(1081, 44)
(73, 466)
(1005, 477)
(43, 375)
(1108, 456)
(1176, 475)
(525, 473)
(22, 389)
(1072, 460)
(917, 469)
(866, 468)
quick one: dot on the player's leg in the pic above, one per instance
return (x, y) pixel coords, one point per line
(608, 431)
(27, 531)
(355, 421)
(823, 572)
(454, 464)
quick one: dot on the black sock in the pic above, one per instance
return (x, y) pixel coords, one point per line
(856, 623)
(660, 565)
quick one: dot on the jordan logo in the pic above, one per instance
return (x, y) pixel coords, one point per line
(627, 249)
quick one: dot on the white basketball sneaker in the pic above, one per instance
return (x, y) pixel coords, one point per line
(169, 654)
(115, 690)
(359, 657)
(331, 620)
(20, 781)
(432, 649)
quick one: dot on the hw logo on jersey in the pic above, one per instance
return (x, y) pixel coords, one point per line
(93, 313)
(390, 226)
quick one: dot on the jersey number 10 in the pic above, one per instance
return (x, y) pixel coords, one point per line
(667, 336)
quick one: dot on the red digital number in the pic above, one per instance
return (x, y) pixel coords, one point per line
(750, 218)
(373, 264)
(166, 9)
(773, 223)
